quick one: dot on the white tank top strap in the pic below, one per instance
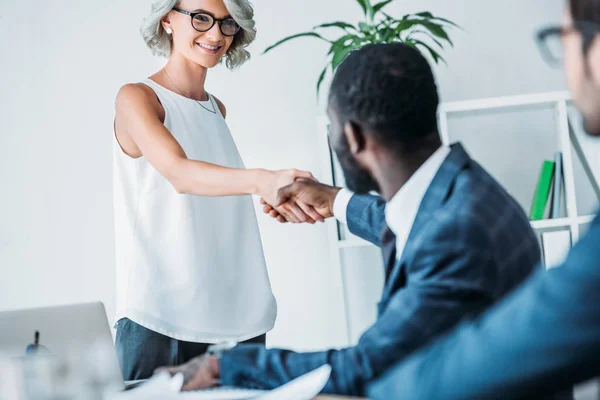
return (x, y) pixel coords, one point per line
(151, 83)
(158, 89)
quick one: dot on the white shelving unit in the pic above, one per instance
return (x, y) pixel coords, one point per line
(558, 101)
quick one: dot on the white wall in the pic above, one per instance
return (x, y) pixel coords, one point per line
(62, 66)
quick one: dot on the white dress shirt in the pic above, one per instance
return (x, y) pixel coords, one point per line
(401, 210)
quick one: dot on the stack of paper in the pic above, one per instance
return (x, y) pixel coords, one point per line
(163, 387)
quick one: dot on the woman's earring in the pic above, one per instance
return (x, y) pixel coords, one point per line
(169, 31)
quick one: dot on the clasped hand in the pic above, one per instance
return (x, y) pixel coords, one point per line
(304, 200)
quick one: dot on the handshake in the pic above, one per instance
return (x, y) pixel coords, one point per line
(303, 201)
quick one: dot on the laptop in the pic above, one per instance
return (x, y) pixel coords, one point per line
(70, 333)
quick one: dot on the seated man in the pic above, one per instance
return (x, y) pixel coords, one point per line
(544, 337)
(454, 241)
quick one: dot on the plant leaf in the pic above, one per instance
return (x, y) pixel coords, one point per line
(425, 14)
(364, 27)
(339, 56)
(384, 22)
(423, 31)
(434, 54)
(437, 30)
(366, 6)
(385, 30)
(371, 38)
(388, 16)
(377, 7)
(321, 78)
(337, 24)
(404, 25)
(430, 16)
(313, 34)
(341, 42)
(429, 36)
(385, 34)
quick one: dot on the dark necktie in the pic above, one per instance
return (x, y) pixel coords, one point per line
(388, 247)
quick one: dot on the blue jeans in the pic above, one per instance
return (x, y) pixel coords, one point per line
(141, 350)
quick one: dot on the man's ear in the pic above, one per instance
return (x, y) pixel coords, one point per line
(355, 137)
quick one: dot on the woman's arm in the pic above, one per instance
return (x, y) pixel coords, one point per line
(138, 117)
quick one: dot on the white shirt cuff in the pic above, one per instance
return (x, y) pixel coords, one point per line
(340, 204)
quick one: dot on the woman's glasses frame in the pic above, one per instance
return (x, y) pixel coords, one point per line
(193, 15)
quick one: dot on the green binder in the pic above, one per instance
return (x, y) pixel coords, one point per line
(542, 191)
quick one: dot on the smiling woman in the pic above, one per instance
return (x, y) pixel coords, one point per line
(190, 264)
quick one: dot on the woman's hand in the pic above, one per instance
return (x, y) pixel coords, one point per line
(296, 212)
(308, 192)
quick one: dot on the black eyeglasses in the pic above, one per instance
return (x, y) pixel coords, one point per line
(204, 21)
(549, 39)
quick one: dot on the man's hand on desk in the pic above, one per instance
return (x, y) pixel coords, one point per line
(306, 193)
(199, 373)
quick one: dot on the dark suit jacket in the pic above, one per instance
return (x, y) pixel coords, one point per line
(470, 244)
(543, 337)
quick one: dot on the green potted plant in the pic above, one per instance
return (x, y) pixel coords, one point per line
(423, 31)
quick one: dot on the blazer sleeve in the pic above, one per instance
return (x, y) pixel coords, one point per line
(365, 216)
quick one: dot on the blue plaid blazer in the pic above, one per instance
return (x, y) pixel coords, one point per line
(470, 244)
(539, 340)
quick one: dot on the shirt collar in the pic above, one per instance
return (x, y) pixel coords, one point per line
(402, 209)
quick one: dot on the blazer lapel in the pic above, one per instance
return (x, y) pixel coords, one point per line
(435, 196)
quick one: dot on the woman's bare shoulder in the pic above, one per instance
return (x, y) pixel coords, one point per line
(139, 98)
(135, 94)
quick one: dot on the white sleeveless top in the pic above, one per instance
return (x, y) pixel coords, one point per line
(189, 267)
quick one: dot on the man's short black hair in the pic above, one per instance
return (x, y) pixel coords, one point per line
(585, 10)
(390, 89)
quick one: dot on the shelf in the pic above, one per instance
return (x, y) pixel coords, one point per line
(542, 224)
(585, 219)
(505, 102)
(561, 222)
(551, 223)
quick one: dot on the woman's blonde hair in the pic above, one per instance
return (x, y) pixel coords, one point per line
(160, 42)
